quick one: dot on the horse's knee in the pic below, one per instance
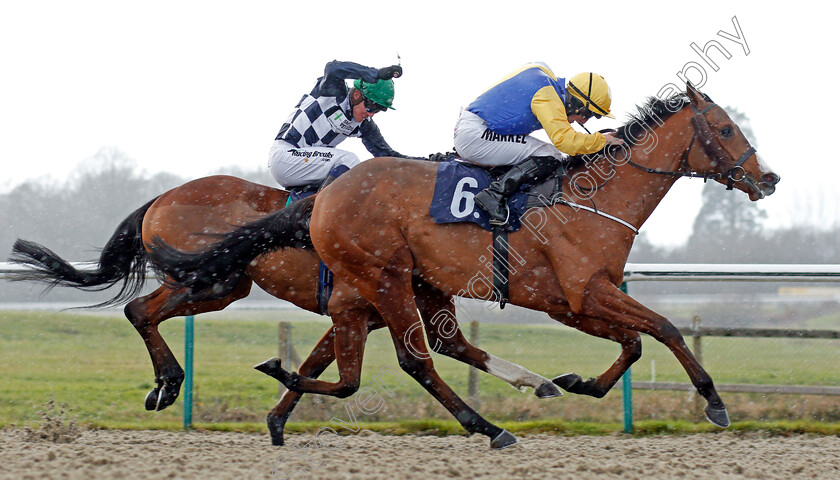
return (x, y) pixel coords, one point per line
(347, 388)
(417, 368)
(670, 334)
(633, 348)
(446, 338)
(446, 348)
(406, 363)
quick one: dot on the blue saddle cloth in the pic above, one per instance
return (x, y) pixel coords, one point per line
(325, 276)
(455, 187)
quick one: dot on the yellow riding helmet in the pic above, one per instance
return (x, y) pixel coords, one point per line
(592, 90)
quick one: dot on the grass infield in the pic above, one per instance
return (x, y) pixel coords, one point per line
(96, 367)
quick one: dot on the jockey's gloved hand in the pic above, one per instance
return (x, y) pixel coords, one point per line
(439, 156)
(387, 73)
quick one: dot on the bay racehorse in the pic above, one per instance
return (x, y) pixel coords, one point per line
(187, 217)
(372, 229)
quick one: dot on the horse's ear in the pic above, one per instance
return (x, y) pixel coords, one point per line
(697, 99)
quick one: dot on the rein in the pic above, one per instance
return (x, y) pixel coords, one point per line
(578, 206)
(710, 145)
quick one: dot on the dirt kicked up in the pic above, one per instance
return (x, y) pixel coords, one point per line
(204, 455)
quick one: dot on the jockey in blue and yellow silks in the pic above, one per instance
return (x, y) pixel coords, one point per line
(495, 128)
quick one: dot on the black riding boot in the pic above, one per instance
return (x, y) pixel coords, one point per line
(326, 182)
(335, 172)
(493, 199)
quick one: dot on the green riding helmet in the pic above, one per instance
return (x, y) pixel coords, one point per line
(381, 92)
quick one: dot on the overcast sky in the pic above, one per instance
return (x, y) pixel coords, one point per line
(190, 86)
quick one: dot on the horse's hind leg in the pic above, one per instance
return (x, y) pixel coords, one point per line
(604, 300)
(445, 337)
(146, 313)
(438, 314)
(350, 329)
(321, 357)
(631, 350)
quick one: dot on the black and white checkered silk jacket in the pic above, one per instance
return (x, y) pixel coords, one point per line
(324, 116)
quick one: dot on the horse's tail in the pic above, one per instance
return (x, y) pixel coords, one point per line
(123, 259)
(215, 272)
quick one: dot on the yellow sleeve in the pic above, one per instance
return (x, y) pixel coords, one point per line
(550, 111)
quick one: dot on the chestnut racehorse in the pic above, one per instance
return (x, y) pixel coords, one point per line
(372, 229)
(183, 217)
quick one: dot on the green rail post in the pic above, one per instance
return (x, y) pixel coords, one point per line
(189, 331)
(627, 390)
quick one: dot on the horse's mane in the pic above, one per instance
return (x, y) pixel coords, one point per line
(648, 116)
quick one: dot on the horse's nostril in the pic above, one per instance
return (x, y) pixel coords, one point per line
(770, 178)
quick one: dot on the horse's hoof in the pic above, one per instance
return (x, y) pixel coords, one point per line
(503, 440)
(166, 396)
(151, 400)
(719, 417)
(567, 381)
(276, 437)
(275, 428)
(159, 403)
(270, 367)
(547, 390)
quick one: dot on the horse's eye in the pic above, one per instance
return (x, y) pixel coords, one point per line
(726, 131)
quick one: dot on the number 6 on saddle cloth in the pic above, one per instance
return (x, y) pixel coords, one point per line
(456, 185)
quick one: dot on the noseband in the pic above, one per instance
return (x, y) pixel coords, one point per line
(713, 149)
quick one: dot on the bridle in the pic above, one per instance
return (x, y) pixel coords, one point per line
(710, 145)
(713, 149)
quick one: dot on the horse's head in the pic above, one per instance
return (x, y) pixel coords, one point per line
(727, 151)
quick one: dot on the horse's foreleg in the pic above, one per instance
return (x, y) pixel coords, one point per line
(395, 302)
(604, 300)
(445, 337)
(631, 350)
(146, 313)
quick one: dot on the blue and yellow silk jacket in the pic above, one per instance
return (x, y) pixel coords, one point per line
(529, 99)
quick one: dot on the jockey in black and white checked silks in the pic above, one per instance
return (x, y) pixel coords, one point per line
(303, 151)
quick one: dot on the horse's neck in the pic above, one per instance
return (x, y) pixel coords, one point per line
(632, 194)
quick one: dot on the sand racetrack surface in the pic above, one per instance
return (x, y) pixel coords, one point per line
(202, 455)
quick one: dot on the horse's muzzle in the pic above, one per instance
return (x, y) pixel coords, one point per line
(763, 188)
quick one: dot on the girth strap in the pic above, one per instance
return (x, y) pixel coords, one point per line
(501, 272)
(325, 287)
